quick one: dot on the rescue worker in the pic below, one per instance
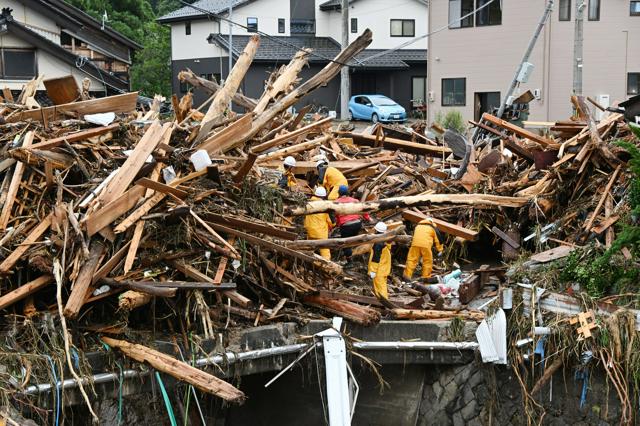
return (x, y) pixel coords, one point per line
(424, 237)
(288, 180)
(380, 267)
(349, 225)
(330, 177)
(319, 224)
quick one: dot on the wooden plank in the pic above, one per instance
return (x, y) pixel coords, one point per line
(553, 254)
(446, 227)
(161, 187)
(282, 139)
(505, 237)
(107, 214)
(132, 165)
(117, 103)
(14, 186)
(595, 213)
(83, 280)
(250, 226)
(523, 133)
(75, 137)
(180, 370)
(303, 167)
(397, 144)
(7, 265)
(227, 138)
(25, 290)
(62, 90)
(426, 314)
(195, 274)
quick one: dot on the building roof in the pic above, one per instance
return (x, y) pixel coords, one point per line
(211, 6)
(22, 32)
(336, 4)
(283, 48)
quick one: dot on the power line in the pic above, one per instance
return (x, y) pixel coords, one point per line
(268, 36)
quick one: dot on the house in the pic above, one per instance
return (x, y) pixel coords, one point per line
(200, 42)
(472, 63)
(54, 39)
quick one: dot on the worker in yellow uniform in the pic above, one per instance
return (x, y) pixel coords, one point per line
(424, 237)
(288, 180)
(380, 267)
(319, 224)
(331, 178)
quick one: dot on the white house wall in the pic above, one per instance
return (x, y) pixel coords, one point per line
(32, 18)
(194, 45)
(375, 15)
(267, 11)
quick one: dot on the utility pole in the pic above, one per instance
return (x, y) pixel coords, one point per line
(230, 37)
(578, 40)
(344, 72)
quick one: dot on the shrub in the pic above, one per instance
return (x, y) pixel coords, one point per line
(452, 120)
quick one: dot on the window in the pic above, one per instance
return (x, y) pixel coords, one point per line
(635, 8)
(281, 25)
(303, 26)
(252, 25)
(403, 27)
(18, 64)
(565, 10)
(633, 83)
(594, 10)
(187, 28)
(354, 25)
(454, 91)
(419, 89)
(458, 9)
(489, 15)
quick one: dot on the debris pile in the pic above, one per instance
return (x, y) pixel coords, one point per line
(183, 217)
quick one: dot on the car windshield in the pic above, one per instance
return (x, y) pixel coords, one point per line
(383, 101)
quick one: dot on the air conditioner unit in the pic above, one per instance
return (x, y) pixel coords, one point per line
(605, 102)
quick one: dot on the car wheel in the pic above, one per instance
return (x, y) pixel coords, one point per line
(350, 115)
(374, 118)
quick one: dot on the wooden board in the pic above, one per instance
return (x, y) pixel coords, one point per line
(523, 133)
(7, 265)
(117, 104)
(62, 90)
(251, 226)
(553, 254)
(446, 227)
(25, 290)
(397, 144)
(75, 137)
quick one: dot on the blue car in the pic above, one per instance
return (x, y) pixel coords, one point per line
(375, 108)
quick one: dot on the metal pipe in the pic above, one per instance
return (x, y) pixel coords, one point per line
(233, 357)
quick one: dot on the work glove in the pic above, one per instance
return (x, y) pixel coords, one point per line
(372, 274)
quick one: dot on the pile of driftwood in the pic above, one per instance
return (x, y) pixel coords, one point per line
(108, 223)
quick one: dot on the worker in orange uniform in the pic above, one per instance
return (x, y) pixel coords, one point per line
(288, 180)
(319, 224)
(424, 237)
(331, 178)
(380, 267)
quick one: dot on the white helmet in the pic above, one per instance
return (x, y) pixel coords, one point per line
(381, 227)
(321, 162)
(290, 161)
(321, 192)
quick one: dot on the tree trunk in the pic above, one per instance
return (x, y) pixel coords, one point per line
(339, 243)
(348, 310)
(417, 314)
(404, 202)
(212, 87)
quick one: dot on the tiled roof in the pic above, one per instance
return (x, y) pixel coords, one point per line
(283, 48)
(211, 6)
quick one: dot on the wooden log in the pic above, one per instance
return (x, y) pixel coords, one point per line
(228, 138)
(251, 226)
(83, 280)
(222, 98)
(446, 227)
(392, 144)
(340, 243)
(282, 139)
(348, 310)
(75, 137)
(117, 103)
(128, 171)
(293, 149)
(212, 87)
(303, 167)
(285, 80)
(131, 299)
(404, 202)
(317, 261)
(523, 133)
(7, 265)
(178, 369)
(25, 290)
(428, 314)
(14, 186)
